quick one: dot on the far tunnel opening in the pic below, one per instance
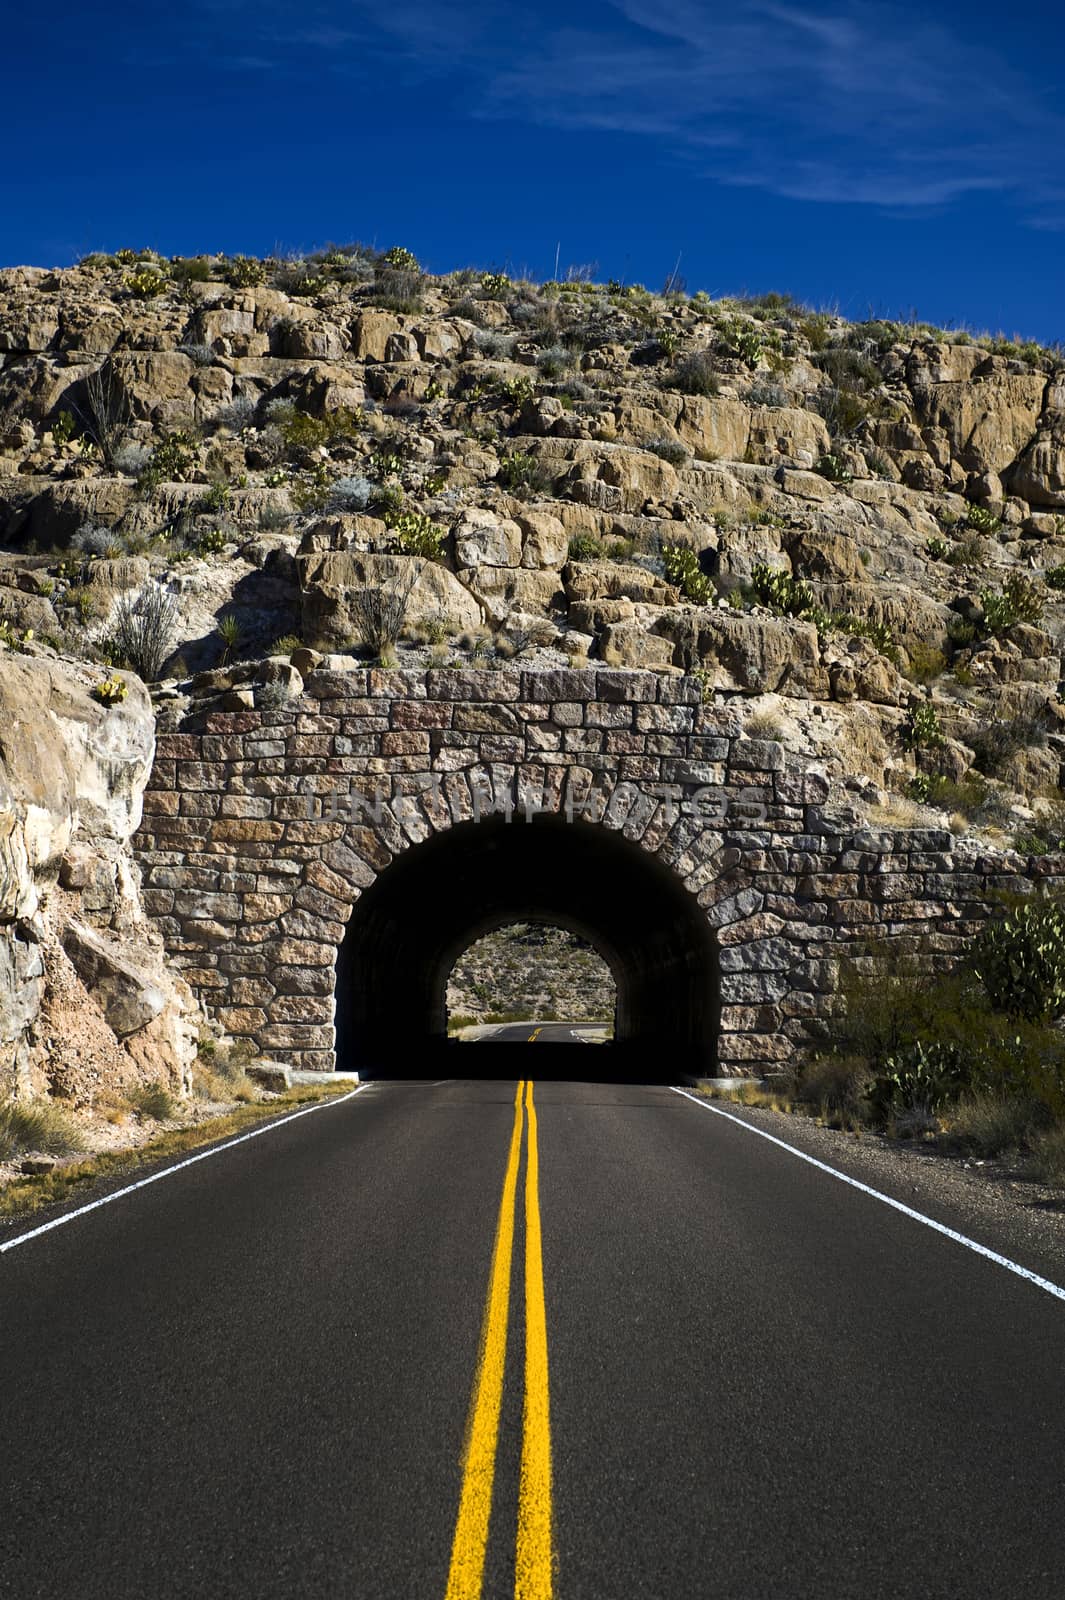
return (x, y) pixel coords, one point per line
(436, 900)
(531, 975)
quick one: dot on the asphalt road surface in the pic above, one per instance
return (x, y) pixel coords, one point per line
(544, 1033)
(463, 1338)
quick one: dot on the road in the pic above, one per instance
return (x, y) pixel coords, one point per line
(716, 1371)
(542, 1033)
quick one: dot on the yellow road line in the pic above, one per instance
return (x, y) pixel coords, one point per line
(466, 1572)
(534, 1036)
(533, 1569)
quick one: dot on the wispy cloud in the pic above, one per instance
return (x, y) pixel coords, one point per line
(865, 103)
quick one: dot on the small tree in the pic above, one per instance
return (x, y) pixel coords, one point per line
(104, 412)
(144, 628)
(381, 611)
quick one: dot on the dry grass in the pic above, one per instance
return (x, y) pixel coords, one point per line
(752, 1093)
(990, 1124)
(75, 1179)
(36, 1125)
(1048, 1156)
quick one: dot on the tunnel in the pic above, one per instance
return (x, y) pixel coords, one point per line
(409, 927)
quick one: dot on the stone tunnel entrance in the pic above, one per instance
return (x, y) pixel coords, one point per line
(431, 903)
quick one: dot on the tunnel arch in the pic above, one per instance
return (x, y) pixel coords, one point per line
(410, 925)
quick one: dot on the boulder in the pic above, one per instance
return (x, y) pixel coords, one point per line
(545, 542)
(742, 650)
(989, 420)
(329, 580)
(128, 996)
(484, 540)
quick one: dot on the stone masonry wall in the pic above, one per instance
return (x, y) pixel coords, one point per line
(254, 852)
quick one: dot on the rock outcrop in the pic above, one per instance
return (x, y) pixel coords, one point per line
(86, 999)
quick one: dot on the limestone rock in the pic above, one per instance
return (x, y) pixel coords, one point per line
(128, 996)
(484, 540)
(328, 580)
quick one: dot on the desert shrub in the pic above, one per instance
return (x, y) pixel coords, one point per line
(93, 539)
(1048, 1155)
(237, 415)
(836, 1084)
(190, 269)
(843, 410)
(989, 1122)
(995, 742)
(554, 362)
(1020, 600)
(1045, 834)
(493, 345)
(585, 547)
(671, 450)
(145, 283)
(930, 1037)
(696, 374)
(143, 630)
(968, 796)
(1054, 578)
(937, 549)
(244, 272)
(1020, 960)
(920, 729)
(779, 591)
(682, 569)
(170, 462)
(381, 611)
(153, 1100)
(104, 412)
(524, 474)
(301, 431)
(36, 1125)
(349, 494)
(982, 519)
(834, 467)
(925, 662)
(418, 534)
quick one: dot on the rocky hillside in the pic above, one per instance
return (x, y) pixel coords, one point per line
(215, 472)
(858, 530)
(529, 970)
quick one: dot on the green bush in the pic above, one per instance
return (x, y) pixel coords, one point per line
(418, 535)
(1020, 960)
(170, 462)
(1055, 578)
(145, 283)
(983, 519)
(921, 1075)
(683, 570)
(833, 467)
(1021, 600)
(404, 260)
(244, 272)
(190, 269)
(920, 729)
(780, 592)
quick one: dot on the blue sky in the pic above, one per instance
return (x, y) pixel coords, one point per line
(882, 159)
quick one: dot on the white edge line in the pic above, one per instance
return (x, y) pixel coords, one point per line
(190, 1161)
(896, 1205)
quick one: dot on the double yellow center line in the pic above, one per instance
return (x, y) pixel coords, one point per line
(533, 1559)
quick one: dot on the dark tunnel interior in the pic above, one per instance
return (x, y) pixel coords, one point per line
(423, 910)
